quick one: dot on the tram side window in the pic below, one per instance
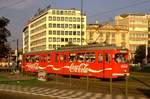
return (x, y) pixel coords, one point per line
(100, 58)
(56, 58)
(63, 58)
(72, 57)
(119, 57)
(81, 57)
(30, 59)
(43, 58)
(107, 57)
(49, 58)
(27, 58)
(90, 57)
(36, 58)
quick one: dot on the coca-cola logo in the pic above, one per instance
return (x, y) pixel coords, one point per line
(124, 66)
(33, 66)
(81, 68)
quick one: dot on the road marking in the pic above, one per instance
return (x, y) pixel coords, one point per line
(60, 93)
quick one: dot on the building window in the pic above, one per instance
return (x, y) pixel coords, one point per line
(66, 25)
(62, 32)
(54, 39)
(50, 39)
(74, 39)
(58, 12)
(66, 32)
(62, 39)
(54, 18)
(78, 39)
(66, 18)
(53, 11)
(70, 25)
(54, 25)
(78, 32)
(54, 32)
(78, 26)
(74, 32)
(66, 39)
(50, 25)
(58, 18)
(82, 26)
(70, 39)
(65, 12)
(50, 46)
(62, 18)
(50, 32)
(78, 19)
(82, 33)
(61, 12)
(50, 18)
(58, 39)
(58, 32)
(74, 19)
(62, 25)
(54, 46)
(70, 32)
(69, 12)
(58, 25)
(74, 26)
(82, 19)
(70, 19)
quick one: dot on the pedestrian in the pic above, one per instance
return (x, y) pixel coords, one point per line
(14, 66)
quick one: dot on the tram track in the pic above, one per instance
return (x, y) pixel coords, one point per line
(135, 86)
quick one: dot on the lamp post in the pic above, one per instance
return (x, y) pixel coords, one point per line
(146, 53)
(17, 48)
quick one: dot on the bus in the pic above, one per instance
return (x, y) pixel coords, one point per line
(99, 61)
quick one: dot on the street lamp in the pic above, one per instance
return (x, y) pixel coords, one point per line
(17, 49)
(146, 52)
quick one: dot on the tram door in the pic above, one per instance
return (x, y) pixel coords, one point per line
(101, 63)
(43, 61)
(62, 63)
(107, 64)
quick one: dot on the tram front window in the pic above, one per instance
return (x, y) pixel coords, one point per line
(120, 58)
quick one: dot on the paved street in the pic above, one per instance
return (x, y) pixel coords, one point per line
(58, 93)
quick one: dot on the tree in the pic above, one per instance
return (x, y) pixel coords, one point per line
(4, 34)
(140, 54)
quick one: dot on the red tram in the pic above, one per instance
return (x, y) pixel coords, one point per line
(90, 60)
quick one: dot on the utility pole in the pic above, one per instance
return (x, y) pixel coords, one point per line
(81, 22)
(17, 42)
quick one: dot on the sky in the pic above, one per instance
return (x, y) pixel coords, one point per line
(20, 11)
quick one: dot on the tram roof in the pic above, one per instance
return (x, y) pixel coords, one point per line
(78, 48)
(90, 47)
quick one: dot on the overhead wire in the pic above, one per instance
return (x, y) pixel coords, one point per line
(120, 8)
(12, 4)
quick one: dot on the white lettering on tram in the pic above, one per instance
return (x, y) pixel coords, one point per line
(33, 66)
(81, 68)
(124, 66)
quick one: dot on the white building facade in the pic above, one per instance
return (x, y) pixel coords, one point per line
(54, 28)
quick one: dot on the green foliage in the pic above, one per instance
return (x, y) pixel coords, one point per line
(135, 69)
(4, 33)
(146, 69)
(139, 54)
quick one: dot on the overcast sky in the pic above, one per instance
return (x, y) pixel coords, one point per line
(19, 11)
